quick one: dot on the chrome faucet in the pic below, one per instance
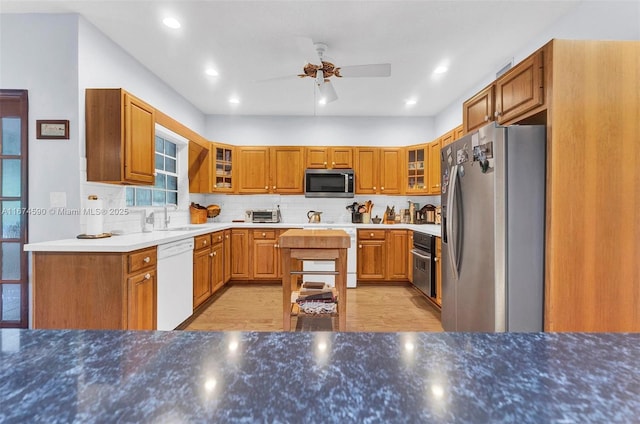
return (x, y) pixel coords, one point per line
(167, 218)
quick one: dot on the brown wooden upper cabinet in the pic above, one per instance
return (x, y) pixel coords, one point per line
(433, 168)
(417, 163)
(521, 89)
(329, 157)
(379, 170)
(223, 156)
(120, 137)
(478, 110)
(265, 169)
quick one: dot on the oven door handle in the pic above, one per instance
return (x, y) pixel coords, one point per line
(420, 255)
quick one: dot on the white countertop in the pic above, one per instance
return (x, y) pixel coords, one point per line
(135, 241)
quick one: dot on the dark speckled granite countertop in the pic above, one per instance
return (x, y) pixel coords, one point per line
(100, 376)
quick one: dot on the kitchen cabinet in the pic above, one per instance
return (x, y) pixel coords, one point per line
(371, 255)
(380, 170)
(91, 290)
(217, 261)
(329, 157)
(286, 169)
(409, 256)
(438, 264)
(227, 255)
(240, 258)
(199, 170)
(416, 169)
(478, 110)
(434, 164)
(120, 137)
(397, 255)
(264, 169)
(223, 156)
(382, 255)
(458, 132)
(266, 256)
(202, 269)
(520, 89)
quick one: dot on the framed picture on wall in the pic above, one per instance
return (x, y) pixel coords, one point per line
(52, 129)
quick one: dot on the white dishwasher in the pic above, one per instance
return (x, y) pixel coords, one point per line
(175, 283)
(352, 255)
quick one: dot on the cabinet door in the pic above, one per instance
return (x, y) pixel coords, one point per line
(434, 167)
(227, 255)
(341, 157)
(142, 294)
(199, 168)
(317, 157)
(253, 169)
(217, 267)
(371, 260)
(367, 160)
(397, 255)
(391, 170)
(240, 254)
(416, 169)
(458, 132)
(478, 110)
(139, 141)
(438, 262)
(265, 257)
(201, 276)
(222, 160)
(287, 170)
(520, 89)
(409, 256)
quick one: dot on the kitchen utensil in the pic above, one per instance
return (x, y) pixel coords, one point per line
(376, 220)
(213, 211)
(314, 217)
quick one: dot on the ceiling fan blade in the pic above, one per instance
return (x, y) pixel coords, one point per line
(357, 71)
(327, 92)
(308, 50)
(282, 78)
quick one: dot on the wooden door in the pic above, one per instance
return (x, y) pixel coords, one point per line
(140, 124)
(227, 255)
(366, 169)
(265, 264)
(240, 254)
(141, 301)
(434, 166)
(253, 169)
(409, 256)
(478, 110)
(416, 179)
(287, 170)
(371, 260)
(397, 254)
(391, 170)
(217, 267)
(341, 157)
(317, 157)
(520, 89)
(201, 276)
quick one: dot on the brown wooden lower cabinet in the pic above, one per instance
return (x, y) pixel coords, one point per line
(240, 254)
(382, 255)
(438, 261)
(266, 256)
(89, 290)
(202, 267)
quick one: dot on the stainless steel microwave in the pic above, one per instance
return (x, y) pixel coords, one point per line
(329, 183)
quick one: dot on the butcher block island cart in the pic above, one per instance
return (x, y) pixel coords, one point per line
(316, 245)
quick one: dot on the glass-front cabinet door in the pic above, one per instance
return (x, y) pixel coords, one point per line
(416, 172)
(223, 168)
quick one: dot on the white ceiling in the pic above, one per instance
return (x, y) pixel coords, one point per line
(251, 40)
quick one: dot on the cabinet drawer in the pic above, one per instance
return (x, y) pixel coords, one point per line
(202, 242)
(264, 234)
(217, 237)
(371, 234)
(141, 259)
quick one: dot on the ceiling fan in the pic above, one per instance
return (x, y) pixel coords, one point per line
(321, 70)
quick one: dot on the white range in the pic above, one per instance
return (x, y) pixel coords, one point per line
(329, 265)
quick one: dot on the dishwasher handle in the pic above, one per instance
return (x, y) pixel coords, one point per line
(175, 248)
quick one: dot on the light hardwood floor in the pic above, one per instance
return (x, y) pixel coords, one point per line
(376, 308)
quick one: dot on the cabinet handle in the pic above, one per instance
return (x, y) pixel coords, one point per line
(381, 188)
(486, 118)
(274, 187)
(333, 164)
(211, 255)
(264, 234)
(374, 187)
(276, 245)
(359, 246)
(435, 259)
(325, 163)
(204, 242)
(215, 253)
(219, 238)
(371, 235)
(147, 276)
(266, 187)
(146, 260)
(226, 236)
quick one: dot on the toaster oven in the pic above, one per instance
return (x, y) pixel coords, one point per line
(262, 215)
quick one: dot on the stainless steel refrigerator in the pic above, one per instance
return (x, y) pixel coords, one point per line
(493, 217)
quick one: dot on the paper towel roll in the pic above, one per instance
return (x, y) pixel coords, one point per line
(95, 219)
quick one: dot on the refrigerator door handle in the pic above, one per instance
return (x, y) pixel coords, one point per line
(452, 226)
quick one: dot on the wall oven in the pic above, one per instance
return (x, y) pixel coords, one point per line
(424, 270)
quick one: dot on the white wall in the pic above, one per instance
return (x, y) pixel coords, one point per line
(319, 130)
(589, 20)
(39, 54)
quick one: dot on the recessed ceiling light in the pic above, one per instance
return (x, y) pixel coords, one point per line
(211, 72)
(410, 102)
(234, 100)
(322, 101)
(171, 23)
(440, 69)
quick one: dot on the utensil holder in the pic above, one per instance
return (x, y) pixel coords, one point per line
(356, 218)
(198, 216)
